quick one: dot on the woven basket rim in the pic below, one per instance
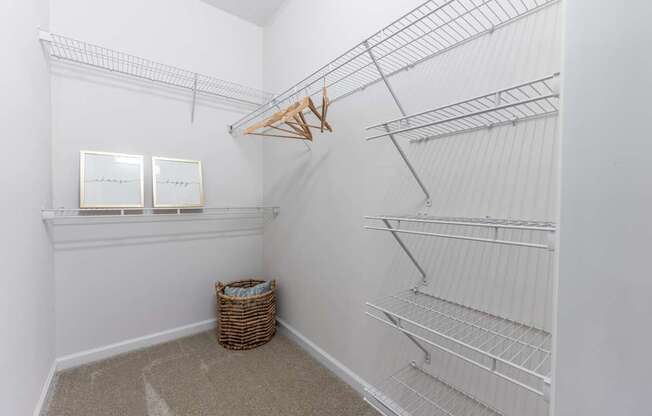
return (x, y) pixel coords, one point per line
(221, 286)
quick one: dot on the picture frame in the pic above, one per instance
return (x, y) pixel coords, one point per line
(177, 183)
(111, 180)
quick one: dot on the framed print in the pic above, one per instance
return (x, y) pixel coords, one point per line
(110, 180)
(177, 183)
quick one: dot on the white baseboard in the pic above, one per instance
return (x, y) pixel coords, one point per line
(44, 391)
(96, 354)
(327, 360)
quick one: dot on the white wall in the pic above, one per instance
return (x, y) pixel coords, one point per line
(603, 336)
(119, 281)
(26, 283)
(328, 267)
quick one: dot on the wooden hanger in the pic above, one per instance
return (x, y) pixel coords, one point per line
(307, 104)
(294, 120)
(270, 123)
(325, 102)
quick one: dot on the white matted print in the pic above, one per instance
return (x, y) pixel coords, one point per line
(110, 180)
(177, 183)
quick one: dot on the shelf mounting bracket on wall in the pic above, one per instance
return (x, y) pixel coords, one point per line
(194, 99)
(397, 322)
(403, 113)
(422, 272)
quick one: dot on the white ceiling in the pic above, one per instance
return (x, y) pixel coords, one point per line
(254, 11)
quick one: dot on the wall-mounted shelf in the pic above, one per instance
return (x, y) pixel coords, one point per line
(414, 392)
(495, 225)
(513, 351)
(534, 99)
(157, 214)
(433, 28)
(87, 54)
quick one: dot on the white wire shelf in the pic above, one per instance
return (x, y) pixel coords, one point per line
(414, 392)
(435, 27)
(535, 99)
(513, 351)
(492, 236)
(99, 57)
(157, 214)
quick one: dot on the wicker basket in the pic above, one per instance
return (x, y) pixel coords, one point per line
(245, 323)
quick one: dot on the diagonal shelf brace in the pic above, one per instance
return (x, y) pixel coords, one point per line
(424, 278)
(391, 136)
(416, 342)
(194, 98)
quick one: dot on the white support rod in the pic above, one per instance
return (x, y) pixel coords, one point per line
(463, 116)
(408, 252)
(410, 167)
(416, 342)
(463, 223)
(194, 99)
(384, 78)
(400, 107)
(459, 237)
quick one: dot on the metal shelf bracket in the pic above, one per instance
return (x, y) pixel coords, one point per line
(546, 389)
(397, 322)
(391, 136)
(422, 272)
(194, 99)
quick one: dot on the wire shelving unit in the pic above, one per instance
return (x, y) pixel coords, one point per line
(90, 55)
(513, 351)
(414, 392)
(157, 214)
(534, 99)
(433, 28)
(510, 350)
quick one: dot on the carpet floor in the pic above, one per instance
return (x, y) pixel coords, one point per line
(194, 376)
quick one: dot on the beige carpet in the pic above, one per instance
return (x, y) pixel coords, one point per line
(194, 376)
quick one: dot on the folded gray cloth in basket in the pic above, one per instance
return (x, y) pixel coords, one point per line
(243, 292)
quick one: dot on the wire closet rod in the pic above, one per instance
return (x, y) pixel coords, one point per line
(433, 28)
